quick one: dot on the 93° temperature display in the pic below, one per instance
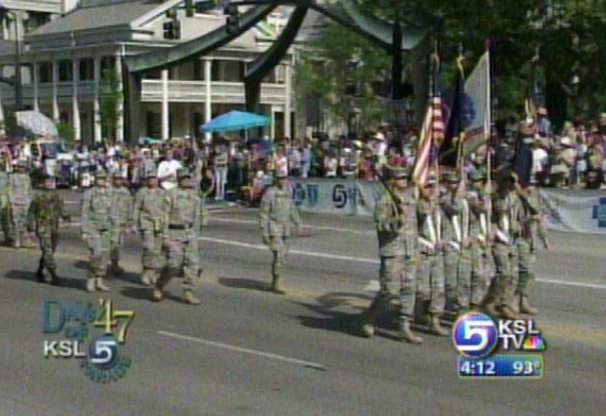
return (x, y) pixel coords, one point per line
(526, 366)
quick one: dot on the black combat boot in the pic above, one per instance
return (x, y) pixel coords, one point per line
(40, 272)
(55, 280)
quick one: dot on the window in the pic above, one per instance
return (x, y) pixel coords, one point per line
(45, 72)
(199, 70)
(65, 71)
(154, 124)
(87, 69)
(108, 63)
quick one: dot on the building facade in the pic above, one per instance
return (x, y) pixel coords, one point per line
(71, 70)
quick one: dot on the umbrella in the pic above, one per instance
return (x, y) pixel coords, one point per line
(36, 123)
(148, 140)
(235, 120)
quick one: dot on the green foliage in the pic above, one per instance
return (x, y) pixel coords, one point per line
(66, 132)
(571, 35)
(110, 96)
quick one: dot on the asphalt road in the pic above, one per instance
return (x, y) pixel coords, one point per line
(245, 351)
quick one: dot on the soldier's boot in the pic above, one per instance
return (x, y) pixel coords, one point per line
(157, 295)
(406, 333)
(507, 312)
(188, 297)
(116, 269)
(436, 328)
(474, 307)
(100, 285)
(90, 285)
(276, 285)
(55, 280)
(525, 306)
(40, 272)
(148, 277)
(368, 319)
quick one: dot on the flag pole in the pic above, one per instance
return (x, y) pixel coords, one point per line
(489, 143)
(435, 60)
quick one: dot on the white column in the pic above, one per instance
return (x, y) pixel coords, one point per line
(120, 104)
(35, 81)
(287, 103)
(208, 104)
(165, 106)
(55, 90)
(75, 104)
(272, 128)
(96, 107)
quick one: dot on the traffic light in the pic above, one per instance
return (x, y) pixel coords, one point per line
(189, 8)
(233, 19)
(172, 29)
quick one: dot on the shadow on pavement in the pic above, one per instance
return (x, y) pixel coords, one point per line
(145, 293)
(65, 282)
(239, 283)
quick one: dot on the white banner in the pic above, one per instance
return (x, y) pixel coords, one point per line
(333, 196)
(581, 211)
(477, 88)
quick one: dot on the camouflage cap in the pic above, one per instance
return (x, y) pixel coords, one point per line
(183, 173)
(477, 175)
(450, 177)
(395, 172)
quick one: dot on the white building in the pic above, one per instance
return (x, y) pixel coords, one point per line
(64, 59)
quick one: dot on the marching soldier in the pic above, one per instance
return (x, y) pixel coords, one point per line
(278, 212)
(531, 228)
(180, 236)
(457, 254)
(430, 272)
(96, 214)
(478, 199)
(396, 222)
(120, 221)
(150, 216)
(45, 213)
(506, 211)
(19, 200)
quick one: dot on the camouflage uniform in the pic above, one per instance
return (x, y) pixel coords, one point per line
(120, 221)
(430, 271)
(526, 243)
(4, 212)
(397, 236)
(45, 213)
(96, 214)
(479, 203)
(181, 234)
(506, 220)
(150, 217)
(278, 212)
(457, 253)
(19, 199)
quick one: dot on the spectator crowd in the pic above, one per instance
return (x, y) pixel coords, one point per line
(235, 170)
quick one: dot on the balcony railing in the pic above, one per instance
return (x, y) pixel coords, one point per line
(178, 91)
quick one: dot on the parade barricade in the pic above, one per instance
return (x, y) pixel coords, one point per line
(580, 211)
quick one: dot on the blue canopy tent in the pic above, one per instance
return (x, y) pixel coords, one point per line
(235, 120)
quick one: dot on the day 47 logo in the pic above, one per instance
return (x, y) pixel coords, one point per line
(94, 334)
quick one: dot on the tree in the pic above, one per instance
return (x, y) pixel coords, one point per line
(570, 34)
(110, 97)
(66, 132)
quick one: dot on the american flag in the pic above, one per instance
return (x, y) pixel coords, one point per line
(432, 133)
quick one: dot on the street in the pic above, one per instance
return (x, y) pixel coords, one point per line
(246, 351)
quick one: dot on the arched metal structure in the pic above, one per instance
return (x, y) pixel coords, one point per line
(393, 37)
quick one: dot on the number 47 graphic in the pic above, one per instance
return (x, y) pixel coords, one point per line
(108, 318)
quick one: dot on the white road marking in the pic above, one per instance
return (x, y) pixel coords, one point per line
(370, 286)
(299, 252)
(312, 227)
(264, 354)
